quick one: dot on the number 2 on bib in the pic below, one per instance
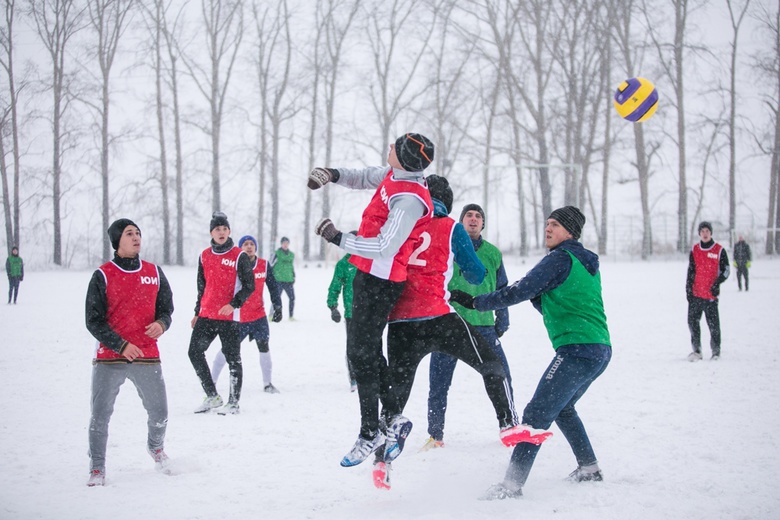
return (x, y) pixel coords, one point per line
(414, 259)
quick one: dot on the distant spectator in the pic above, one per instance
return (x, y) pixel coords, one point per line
(284, 272)
(742, 259)
(14, 268)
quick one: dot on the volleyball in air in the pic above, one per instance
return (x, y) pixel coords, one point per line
(636, 99)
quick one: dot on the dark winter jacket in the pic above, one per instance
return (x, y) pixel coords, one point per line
(545, 276)
(742, 253)
(14, 267)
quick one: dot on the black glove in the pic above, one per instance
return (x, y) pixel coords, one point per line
(499, 332)
(319, 177)
(715, 289)
(335, 315)
(462, 298)
(328, 231)
(277, 317)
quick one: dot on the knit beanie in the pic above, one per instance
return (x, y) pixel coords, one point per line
(245, 238)
(473, 207)
(218, 219)
(571, 219)
(116, 229)
(704, 224)
(414, 152)
(439, 188)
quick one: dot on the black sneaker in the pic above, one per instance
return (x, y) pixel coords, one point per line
(578, 475)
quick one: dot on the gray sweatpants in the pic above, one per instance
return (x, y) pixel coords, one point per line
(106, 380)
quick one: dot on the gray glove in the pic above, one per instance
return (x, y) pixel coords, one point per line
(319, 177)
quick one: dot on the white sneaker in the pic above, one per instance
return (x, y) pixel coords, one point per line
(397, 433)
(230, 408)
(161, 461)
(97, 477)
(501, 492)
(694, 356)
(209, 403)
(362, 449)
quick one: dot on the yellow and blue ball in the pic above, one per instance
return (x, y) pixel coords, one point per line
(636, 99)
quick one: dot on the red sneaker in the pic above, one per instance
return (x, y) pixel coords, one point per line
(523, 433)
(381, 475)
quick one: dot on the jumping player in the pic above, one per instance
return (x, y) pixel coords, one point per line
(392, 222)
(423, 321)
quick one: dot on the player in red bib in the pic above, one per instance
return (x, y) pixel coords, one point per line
(392, 222)
(708, 267)
(423, 321)
(225, 281)
(128, 307)
(254, 322)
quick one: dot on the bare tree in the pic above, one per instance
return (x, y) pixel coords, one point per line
(56, 23)
(223, 23)
(736, 15)
(577, 54)
(452, 96)
(606, 78)
(767, 63)
(395, 60)
(671, 56)
(274, 60)
(316, 67)
(170, 32)
(9, 230)
(7, 40)
(108, 19)
(622, 11)
(338, 19)
(154, 17)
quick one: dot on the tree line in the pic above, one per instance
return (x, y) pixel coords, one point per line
(160, 107)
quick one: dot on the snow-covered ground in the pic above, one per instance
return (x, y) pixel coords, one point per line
(674, 439)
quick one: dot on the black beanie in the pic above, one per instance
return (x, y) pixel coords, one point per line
(439, 188)
(571, 219)
(472, 207)
(116, 229)
(414, 152)
(218, 219)
(705, 224)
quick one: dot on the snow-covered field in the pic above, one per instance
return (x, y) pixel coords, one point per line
(674, 439)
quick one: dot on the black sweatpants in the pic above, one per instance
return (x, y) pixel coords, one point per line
(410, 341)
(372, 300)
(710, 309)
(203, 334)
(742, 270)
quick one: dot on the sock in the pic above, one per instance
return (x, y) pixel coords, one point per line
(266, 365)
